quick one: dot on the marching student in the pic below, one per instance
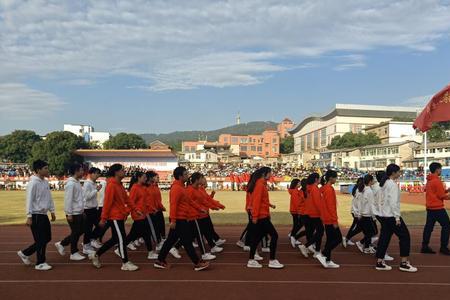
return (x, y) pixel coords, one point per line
(435, 194)
(261, 224)
(90, 191)
(140, 228)
(314, 226)
(74, 209)
(99, 231)
(245, 238)
(38, 203)
(378, 202)
(157, 217)
(392, 222)
(354, 229)
(329, 217)
(116, 208)
(180, 228)
(365, 215)
(296, 202)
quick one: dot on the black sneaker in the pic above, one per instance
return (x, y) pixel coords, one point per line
(407, 267)
(444, 251)
(382, 266)
(427, 250)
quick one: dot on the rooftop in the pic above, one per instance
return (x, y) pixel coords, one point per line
(125, 153)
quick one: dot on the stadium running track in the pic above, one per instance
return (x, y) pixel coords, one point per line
(228, 277)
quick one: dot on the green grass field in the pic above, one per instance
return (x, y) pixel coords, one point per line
(13, 206)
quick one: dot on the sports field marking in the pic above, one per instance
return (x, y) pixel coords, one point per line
(95, 281)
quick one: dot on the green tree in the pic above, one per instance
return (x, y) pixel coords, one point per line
(351, 140)
(287, 145)
(437, 132)
(126, 141)
(58, 149)
(16, 146)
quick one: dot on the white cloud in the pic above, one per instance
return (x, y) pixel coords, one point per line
(187, 44)
(19, 102)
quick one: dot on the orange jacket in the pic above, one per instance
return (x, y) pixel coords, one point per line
(435, 192)
(296, 196)
(151, 200)
(248, 201)
(199, 203)
(180, 203)
(116, 205)
(260, 200)
(214, 204)
(312, 201)
(328, 209)
(156, 194)
(138, 199)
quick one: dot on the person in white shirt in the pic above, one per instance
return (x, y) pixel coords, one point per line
(392, 222)
(99, 232)
(365, 215)
(38, 203)
(74, 209)
(354, 229)
(90, 191)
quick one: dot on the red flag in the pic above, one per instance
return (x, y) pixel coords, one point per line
(437, 110)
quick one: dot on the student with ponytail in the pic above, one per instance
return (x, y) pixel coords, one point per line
(314, 226)
(296, 203)
(392, 222)
(329, 217)
(365, 215)
(261, 224)
(354, 228)
(157, 214)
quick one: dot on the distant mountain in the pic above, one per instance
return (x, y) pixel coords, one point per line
(174, 139)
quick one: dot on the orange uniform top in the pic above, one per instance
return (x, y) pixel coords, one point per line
(248, 201)
(156, 194)
(179, 202)
(260, 200)
(213, 203)
(328, 208)
(312, 201)
(199, 203)
(435, 192)
(296, 196)
(138, 200)
(116, 204)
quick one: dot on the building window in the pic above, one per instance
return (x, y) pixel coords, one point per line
(225, 140)
(234, 140)
(316, 139)
(243, 140)
(243, 148)
(267, 153)
(309, 141)
(260, 149)
(253, 148)
(186, 148)
(323, 137)
(193, 148)
(198, 156)
(274, 140)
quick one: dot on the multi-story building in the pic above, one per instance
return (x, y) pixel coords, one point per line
(316, 133)
(394, 132)
(377, 157)
(263, 145)
(436, 152)
(284, 127)
(88, 133)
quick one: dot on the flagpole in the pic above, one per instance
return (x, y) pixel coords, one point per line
(425, 157)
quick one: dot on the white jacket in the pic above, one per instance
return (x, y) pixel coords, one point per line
(378, 199)
(391, 196)
(90, 194)
(366, 202)
(356, 203)
(39, 199)
(73, 197)
(101, 193)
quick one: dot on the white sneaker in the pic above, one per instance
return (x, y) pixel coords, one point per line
(43, 267)
(303, 250)
(117, 252)
(95, 260)
(322, 259)
(298, 243)
(216, 249)
(382, 266)
(387, 257)
(246, 248)
(344, 242)
(152, 255)
(208, 256)
(88, 249)
(25, 259)
(129, 266)
(293, 240)
(77, 257)
(407, 267)
(275, 264)
(175, 253)
(265, 250)
(240, 244)
(195, 245)
(360, 247)
(370, 250)
(374, 239)
(220, 242)
(141, 240)
(159, 246)
(350, 243)
(131, 247)
(332, 265)
(96, 244)
(136, 243)
(60, 248)
(257, 257)
(312, 249)
(254, 264)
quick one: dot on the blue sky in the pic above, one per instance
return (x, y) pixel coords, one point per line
(160, 66)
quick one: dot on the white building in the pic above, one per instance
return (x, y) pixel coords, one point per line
(88, 133)
(436, 152)
(316, 132)
(395, 132)
(201, 157)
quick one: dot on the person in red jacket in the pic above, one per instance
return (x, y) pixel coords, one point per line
(116, 208)
(138, 200)
(180, 212)
(245, 239)
(157, 216)
(261, 224)
(435, 194)
(296, 203)
(314, 226)
(329, 217)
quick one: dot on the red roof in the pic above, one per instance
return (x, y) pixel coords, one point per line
(125, 153)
